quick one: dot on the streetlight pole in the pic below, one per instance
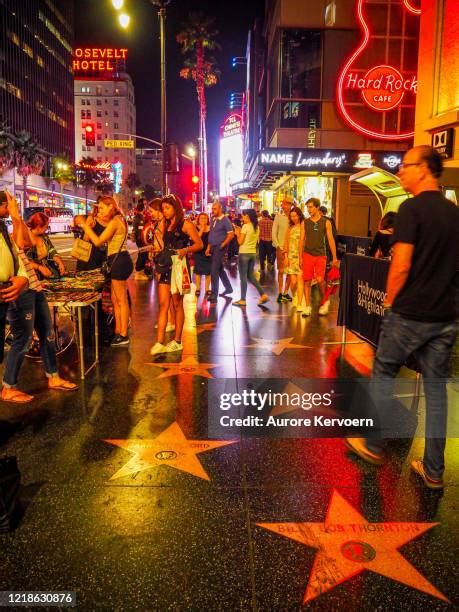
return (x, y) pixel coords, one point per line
(162, 40)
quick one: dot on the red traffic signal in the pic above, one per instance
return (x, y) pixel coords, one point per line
(90, 135)
(195, 179)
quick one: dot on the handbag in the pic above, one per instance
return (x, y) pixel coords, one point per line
(106, 267)
(163, 261)
(81, 250)
(10, 480)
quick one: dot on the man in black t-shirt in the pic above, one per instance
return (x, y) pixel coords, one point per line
(420, 317)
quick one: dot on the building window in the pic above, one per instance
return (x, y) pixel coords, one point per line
(99, 90)
(99, 126)
(83, 114)
(99, 136)
(83, 148)
(116, 102)
(83, 136)
(85, 89)
(301, 52)
(88, 102)
(15, 38)
(88, 114)
(99, 102)
(117, 91)
(83, 102)
(40, 62)
(116, 114)
(116, 126)
(99, 113)
(99, 149)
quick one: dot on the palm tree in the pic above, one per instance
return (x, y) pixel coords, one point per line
(196, 38)
(28, 158)
(63, 171)
(89, 175)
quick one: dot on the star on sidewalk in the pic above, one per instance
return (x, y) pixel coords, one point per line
(276, 346)
(348, 544)
(170, 448)
(189, 365)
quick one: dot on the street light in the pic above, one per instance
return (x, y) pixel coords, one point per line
(118, 4)
(124, 20)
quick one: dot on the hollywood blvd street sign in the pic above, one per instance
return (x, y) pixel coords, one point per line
(328, 160)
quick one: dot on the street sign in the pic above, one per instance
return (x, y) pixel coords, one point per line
(119, 144)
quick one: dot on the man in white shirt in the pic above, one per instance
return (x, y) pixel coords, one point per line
(280, 227)
(13, 281)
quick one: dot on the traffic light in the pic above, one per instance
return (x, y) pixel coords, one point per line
(171, 158)
(90, 133)
(195, 182)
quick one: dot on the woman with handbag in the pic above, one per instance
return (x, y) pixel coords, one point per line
(180, 238)
(118, 266)
(97, 254)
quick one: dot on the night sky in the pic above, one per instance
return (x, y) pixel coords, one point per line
(96, 24)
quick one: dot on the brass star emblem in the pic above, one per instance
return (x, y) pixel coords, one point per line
(276, 346)
(348, 544)
(189, 365)
(170, 448)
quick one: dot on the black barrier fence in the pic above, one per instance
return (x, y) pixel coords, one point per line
(362, 293)
(358, 245)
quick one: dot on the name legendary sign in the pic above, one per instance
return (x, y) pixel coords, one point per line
(327, 160)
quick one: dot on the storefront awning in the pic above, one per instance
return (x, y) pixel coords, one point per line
(384, 185)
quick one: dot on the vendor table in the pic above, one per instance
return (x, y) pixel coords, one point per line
(73, 294)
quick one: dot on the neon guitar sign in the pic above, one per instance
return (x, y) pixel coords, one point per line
(382, 87)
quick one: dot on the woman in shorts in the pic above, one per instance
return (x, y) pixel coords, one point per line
(180, 238)
(119, 260)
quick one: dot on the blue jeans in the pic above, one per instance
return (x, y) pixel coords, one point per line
(431, 344)
(29, 311)
(246, 264)
(217, 271)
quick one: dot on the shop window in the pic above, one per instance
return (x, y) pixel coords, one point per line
(301, 52)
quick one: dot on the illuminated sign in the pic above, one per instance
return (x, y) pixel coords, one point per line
(119, 144)
(97, 59)
(327, 160)
(364, 161)
(382, 88)
(442, 141)
(117, 176)
(99, 166)
(232, 126)
(231, 154)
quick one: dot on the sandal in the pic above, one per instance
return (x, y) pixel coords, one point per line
(64, 385)
(17, 397)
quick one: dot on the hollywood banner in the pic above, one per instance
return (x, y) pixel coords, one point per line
(362, 293)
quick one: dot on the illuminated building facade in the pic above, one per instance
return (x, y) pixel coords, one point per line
(437, 107)
(36, 79)
(105, 113)
(332, 89)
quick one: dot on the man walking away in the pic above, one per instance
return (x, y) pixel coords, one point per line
(220, 235)
(266, 250)
(419, 317)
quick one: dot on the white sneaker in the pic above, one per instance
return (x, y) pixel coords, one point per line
(307, 311)
(323, 310)
(158, 348)
(173, 346)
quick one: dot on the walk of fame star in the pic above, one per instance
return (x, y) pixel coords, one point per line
(276, 346)
(348, 544)
(189, 365)
(170, 448)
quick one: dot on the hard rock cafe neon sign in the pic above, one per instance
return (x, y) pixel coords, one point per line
(382, 88)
